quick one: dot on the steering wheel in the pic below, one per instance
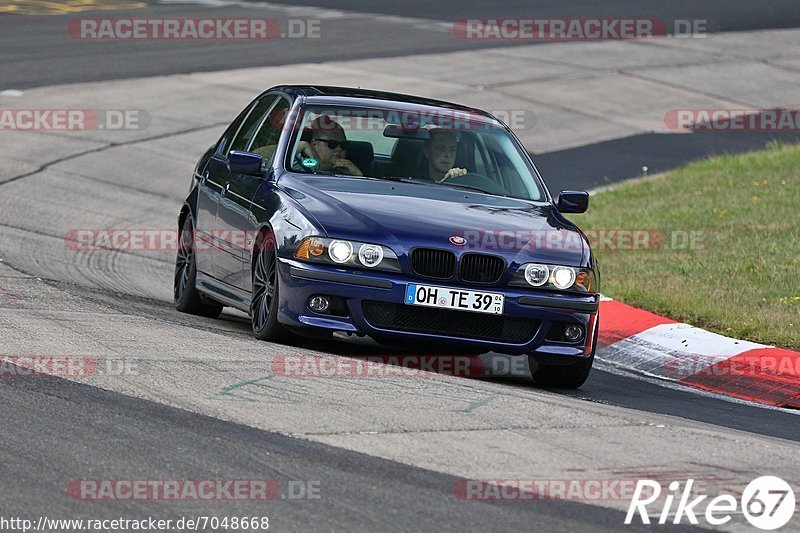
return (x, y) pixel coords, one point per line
(479, 181)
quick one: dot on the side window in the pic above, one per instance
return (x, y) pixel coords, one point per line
(227, 138)
(265, 141)
(251, 123)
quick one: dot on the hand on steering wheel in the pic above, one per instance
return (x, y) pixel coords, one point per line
(454, 173)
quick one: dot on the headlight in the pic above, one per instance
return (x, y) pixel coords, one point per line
(563, 277)
(370, 255)
(341, 252)
(536, 275)
(555, 277)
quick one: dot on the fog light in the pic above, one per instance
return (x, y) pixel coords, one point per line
(573, 333)
(320, 304)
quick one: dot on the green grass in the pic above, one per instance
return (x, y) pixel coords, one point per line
(743, 281)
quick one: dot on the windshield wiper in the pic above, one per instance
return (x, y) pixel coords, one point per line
(392, 178)
(446, 184)
(403, 179)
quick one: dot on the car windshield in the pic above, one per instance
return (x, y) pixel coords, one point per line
(443, 147)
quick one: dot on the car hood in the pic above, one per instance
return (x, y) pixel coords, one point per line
(406, 215)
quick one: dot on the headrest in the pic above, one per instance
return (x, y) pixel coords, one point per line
(360, 151)
(407, 152)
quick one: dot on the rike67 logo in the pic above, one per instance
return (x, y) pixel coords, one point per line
(768, 503)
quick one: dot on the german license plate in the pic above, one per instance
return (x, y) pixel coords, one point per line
(462, 300)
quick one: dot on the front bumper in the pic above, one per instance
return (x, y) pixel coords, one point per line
(541, 310)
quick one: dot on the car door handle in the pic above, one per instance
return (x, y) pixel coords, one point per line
(225, 189)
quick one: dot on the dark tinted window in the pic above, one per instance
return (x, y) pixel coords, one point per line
(251, 123)
(270, 132)
(227, 138)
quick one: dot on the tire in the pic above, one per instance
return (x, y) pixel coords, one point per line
(187, 298)
(564, 376)
(266, 294)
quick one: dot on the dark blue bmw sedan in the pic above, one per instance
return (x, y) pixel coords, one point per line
(410, 220)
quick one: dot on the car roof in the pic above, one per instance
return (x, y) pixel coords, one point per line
(327, 95)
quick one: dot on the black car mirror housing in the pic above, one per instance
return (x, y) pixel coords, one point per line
(246, 163)
(573, 201)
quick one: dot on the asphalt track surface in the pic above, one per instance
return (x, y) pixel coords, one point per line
(39, 52)
(380, 452)
(360, 493)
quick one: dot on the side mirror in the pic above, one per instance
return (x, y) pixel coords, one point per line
(246, 163)
(573, 201)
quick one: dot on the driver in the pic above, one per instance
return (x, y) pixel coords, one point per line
(328, 146)
(440, 155)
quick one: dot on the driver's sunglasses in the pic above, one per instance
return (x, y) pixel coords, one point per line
(334, 144)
